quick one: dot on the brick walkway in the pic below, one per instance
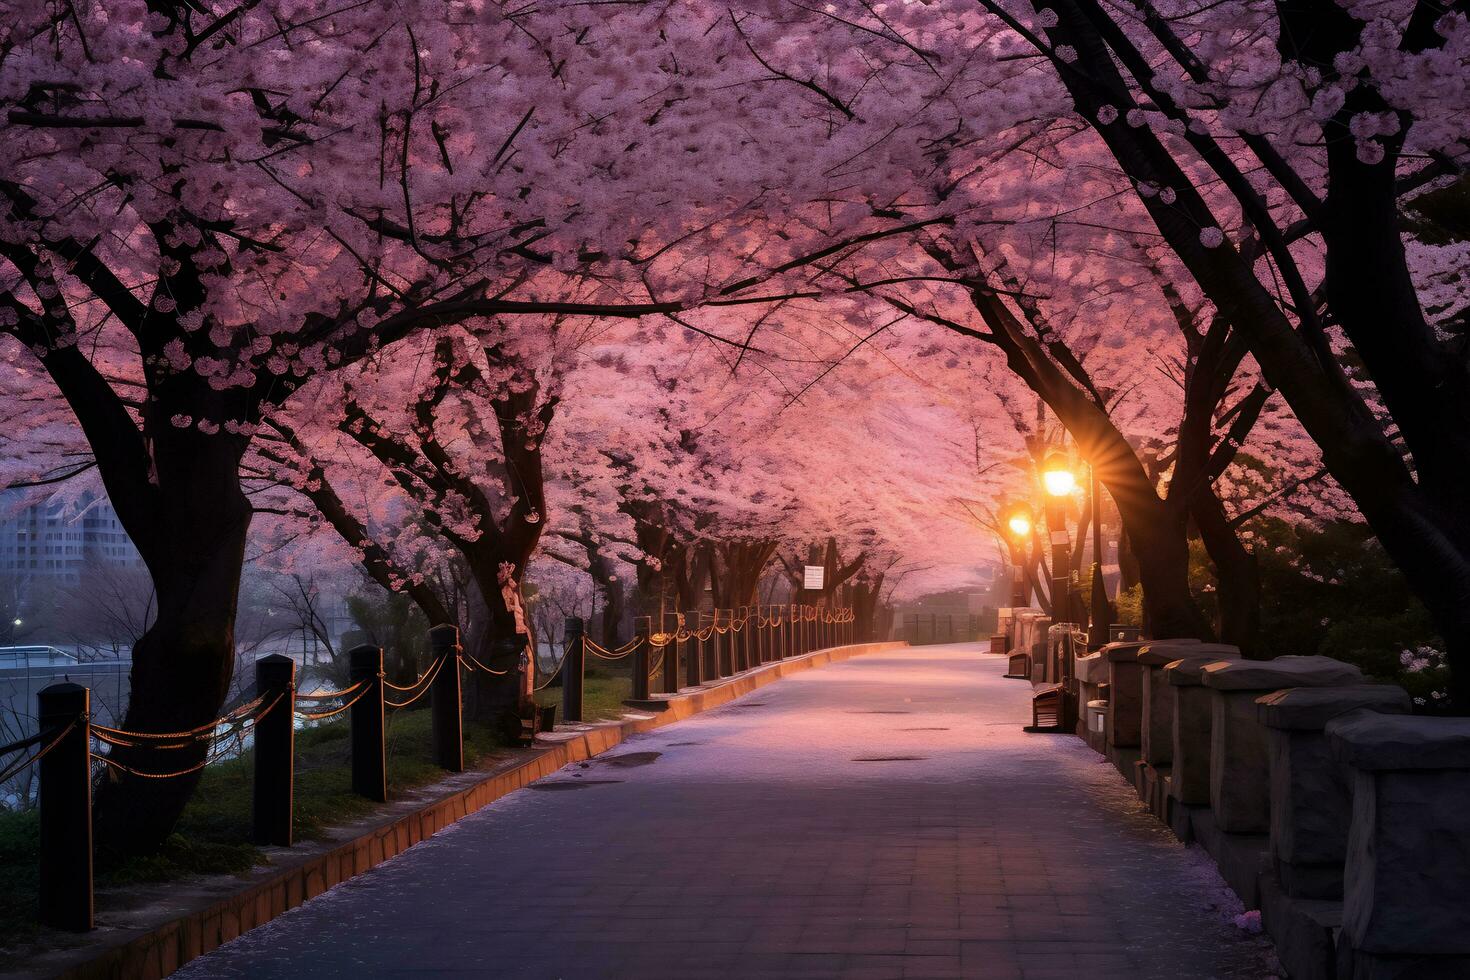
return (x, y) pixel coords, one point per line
(883, 818)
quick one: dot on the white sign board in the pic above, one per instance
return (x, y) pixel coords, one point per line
(813, 577)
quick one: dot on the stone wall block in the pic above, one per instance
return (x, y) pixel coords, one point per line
(1311, 792)
(1157, 724)
(1407, 872)
(1240, 790)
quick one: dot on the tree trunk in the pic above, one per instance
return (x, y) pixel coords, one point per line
(865, 599)
(183, 664)
(736, 576)
(1127, 562)
(498, 700)
(610, 587)
(1239, 577)
(1161, 543)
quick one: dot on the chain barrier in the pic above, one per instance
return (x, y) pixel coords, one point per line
(36, 739)
(24, 743)
(474, 664)
(205, 730)
(551, 676)
(621, 653)
(428, 673)
(329, 695)
(361, 687)
(426, 680)
(108, 736)
(238, 720)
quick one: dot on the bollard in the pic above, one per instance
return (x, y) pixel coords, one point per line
(727, 645)
(573, 670)
(641, 632)
(739, 641)
(715, 649)
(369, 757)
(275, 751)
(756, 630)
(671, 653)
(66, 808)
(753, 636)
(446, 702)
(762, 638)
(693, 650)
(742, 638)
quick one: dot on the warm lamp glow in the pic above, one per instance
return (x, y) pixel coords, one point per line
(1020, 525)
(1057, 477)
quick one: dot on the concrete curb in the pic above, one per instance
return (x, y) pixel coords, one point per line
(156, 950)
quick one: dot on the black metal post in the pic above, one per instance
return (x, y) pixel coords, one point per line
(671, 653)
(369, 756)
(641, 632)
(275, 751)
(762, 638)
(741, 645)
(573, 669)
(446, 699)
(65, 817)
(712, 648)
(725, 653)
(1097, 635)
(693, 650)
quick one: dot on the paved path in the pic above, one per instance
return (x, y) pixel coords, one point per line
(766, 839)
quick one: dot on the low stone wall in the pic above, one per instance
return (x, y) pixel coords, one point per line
(216, 915)
(1323, 803)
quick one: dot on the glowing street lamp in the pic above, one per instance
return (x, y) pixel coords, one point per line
(1017, 520)
(1059, 482)
(1057, 476)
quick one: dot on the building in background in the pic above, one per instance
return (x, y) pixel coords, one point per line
(49, 540)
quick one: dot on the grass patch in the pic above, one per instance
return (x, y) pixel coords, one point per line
(603, 693)
(213, 835)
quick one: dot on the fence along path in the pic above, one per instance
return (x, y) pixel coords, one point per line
(734, 640)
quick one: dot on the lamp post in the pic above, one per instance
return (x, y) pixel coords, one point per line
(1097, 634)
(1018, 522)
(1058, 481)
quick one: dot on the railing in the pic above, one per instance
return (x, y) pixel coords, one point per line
(703, 647)
(732, 641)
